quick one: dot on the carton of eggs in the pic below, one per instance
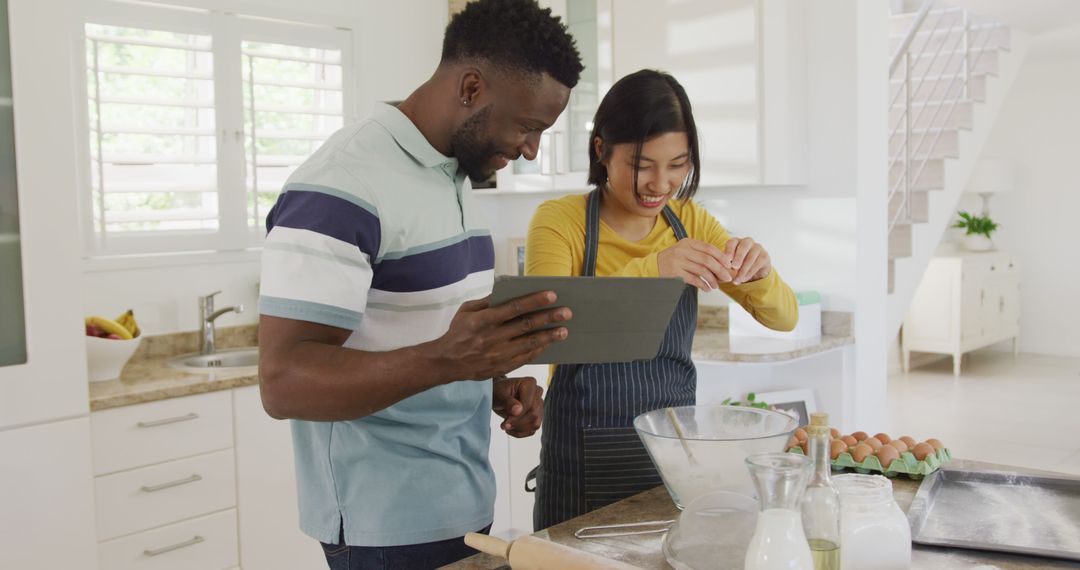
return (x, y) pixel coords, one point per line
(879, 453)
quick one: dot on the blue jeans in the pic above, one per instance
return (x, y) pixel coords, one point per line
(407, 557)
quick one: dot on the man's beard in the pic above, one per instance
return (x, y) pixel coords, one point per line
(472, 146)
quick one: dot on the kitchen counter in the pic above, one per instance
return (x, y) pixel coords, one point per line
(718, 345)
(147, 377)
(713, 343)
(644, 550)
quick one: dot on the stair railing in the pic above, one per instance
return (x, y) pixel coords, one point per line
(907, 157)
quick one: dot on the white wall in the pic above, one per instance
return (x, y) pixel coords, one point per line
(1038, 130)
(830, 236)
(396, 47)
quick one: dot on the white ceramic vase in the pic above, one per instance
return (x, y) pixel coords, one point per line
(978, 242)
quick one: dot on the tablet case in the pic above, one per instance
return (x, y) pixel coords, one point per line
(616, 319)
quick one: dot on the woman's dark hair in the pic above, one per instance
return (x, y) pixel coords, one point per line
(639, 107)
(515, 35)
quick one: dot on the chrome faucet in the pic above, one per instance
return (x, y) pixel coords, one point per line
(207, 316)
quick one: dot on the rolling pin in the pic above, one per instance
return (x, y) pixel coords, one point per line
(531, 553)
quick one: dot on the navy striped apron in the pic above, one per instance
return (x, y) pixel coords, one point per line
(590, 454)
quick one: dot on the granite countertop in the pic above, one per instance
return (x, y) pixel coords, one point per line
(712, 341)
(644, 551)
(147, 377)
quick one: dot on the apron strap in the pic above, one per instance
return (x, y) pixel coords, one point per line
(592, 233)
(592, 230)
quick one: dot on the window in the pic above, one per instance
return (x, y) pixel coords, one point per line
(195, 119)
(292, 103)
(153, 146)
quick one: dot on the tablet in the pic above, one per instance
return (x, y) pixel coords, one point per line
(616, 319)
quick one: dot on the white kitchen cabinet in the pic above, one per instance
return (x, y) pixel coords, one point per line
(965, 302)
(46, 497)
(152, 496)
(206, 543)
(563, 159)
(165, 484)
(154, 432)
(51, 384)
(742, 62)
(270, 536)
(512, 458)
(743, 65)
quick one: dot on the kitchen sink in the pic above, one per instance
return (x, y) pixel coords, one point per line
(220, 361)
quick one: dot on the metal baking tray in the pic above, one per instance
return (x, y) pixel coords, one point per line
(998, 511)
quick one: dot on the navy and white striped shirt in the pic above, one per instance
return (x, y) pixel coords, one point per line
(376, 233)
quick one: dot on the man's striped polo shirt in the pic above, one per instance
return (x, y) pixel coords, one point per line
(376, 233)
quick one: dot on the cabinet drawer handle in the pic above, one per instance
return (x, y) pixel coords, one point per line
(194, 540)
(166, 421)
(993, 268)
(152, 488)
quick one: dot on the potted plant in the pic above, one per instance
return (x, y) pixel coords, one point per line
(977, 231)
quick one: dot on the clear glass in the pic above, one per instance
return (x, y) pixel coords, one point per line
(821, 505)
(779, 541)
(12, 318)
(704, 449)
(874, 531)
(713, 532)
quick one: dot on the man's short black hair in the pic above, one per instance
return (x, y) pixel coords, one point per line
(516, 35)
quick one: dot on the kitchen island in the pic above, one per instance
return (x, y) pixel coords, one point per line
(644, 550)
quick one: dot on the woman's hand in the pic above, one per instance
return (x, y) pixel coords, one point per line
(749, 261)
(697, 263)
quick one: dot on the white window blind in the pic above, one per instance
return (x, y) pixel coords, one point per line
(152, 137)
(196, 118)
(292, 103)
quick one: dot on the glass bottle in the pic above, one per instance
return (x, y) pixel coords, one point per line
(779, 541)
(821, 502)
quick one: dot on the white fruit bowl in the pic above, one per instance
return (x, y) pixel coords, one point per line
(106, 357)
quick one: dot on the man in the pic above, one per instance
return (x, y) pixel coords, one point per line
(372, 247)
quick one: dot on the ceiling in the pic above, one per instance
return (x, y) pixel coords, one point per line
(1053, 25)
(1032, 16)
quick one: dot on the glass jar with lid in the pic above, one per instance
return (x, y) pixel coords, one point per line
(874, 531)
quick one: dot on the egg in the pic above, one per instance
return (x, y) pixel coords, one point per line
(800, 434)
(792, 443)
(861, 452)
(873, 443)
(886, 455)
(836, 448)
(859, 435)
(835, 432)
(899, 445)
(910, 441)
(922, 451)
(883, 437)
(937, 445)
(850, 441)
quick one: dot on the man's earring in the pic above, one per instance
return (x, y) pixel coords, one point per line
(465, 102)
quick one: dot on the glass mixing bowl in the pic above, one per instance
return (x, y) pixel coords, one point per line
(716, 440)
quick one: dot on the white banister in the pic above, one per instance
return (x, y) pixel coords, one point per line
(914, 67)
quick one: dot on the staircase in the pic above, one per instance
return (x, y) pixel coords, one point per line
(947, 80)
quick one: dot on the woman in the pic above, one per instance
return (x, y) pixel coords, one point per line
(639, 221)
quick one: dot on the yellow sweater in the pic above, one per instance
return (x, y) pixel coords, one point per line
(556, 246)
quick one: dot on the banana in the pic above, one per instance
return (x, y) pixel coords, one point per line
(127, 320)
(110, 326)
